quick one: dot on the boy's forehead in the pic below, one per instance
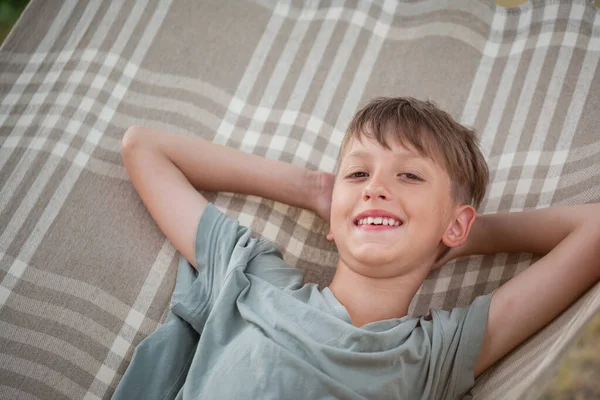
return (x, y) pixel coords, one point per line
(365, 147)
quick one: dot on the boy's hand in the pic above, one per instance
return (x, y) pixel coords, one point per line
(451, 254)
(323, 189)
(459, 251)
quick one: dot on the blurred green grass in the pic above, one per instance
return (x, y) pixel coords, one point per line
(578, 376)
(10, 10)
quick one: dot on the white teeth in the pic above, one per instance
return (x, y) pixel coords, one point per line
(378, 221)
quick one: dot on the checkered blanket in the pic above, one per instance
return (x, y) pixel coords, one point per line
(85, 272)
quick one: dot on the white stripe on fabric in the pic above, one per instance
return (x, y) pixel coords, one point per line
(62, 316)
(185, 108)
(555, 88)
(506, 82)
(431, 29)
(48, 343)
(9, 189)
(43, 374)
(515, 131)
(279, 140)
(484, 69)
(50, 120)
(406, 10)
(35, 60)
(434, 29)
(580, 95)
(442, 284)
(533, 157)
(504, 376)
(365, 68)
(278, 77)
(239, 101)
(249, 79)
(573, 178)
(336, 71)
(13, 97)
(80, 289)
(10, 232)
(587, 196)
(144, 299)
(95, 165)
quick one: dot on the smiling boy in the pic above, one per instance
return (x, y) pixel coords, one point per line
(410, 161)
(408, 180)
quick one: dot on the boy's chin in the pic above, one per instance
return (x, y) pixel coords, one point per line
(371, 259)
(377, 251)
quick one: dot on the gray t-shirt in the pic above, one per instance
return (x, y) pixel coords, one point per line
(245, 326)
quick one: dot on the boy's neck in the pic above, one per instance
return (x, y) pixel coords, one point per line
(371, 299)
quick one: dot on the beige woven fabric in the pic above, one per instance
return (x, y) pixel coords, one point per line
(85, 273)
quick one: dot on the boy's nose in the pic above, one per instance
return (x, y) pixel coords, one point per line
(375, 191)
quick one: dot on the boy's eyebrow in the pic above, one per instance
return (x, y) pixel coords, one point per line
(366, 154)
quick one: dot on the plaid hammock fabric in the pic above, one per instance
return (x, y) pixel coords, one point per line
(86, 274)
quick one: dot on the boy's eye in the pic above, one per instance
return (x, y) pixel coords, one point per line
(357, 175)
(411, 177)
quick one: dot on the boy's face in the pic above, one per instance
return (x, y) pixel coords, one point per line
(413, 190)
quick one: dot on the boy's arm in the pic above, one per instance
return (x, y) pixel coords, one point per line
(168, 169)
(571, 238)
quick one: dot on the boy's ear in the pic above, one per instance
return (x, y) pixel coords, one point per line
(458, 231)
(330, 235)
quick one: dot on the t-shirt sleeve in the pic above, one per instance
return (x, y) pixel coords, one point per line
(457, 339)
(222, 246)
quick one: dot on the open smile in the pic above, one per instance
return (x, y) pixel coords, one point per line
(377, 220)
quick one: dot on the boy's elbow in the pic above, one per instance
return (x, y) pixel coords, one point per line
(133, 138)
